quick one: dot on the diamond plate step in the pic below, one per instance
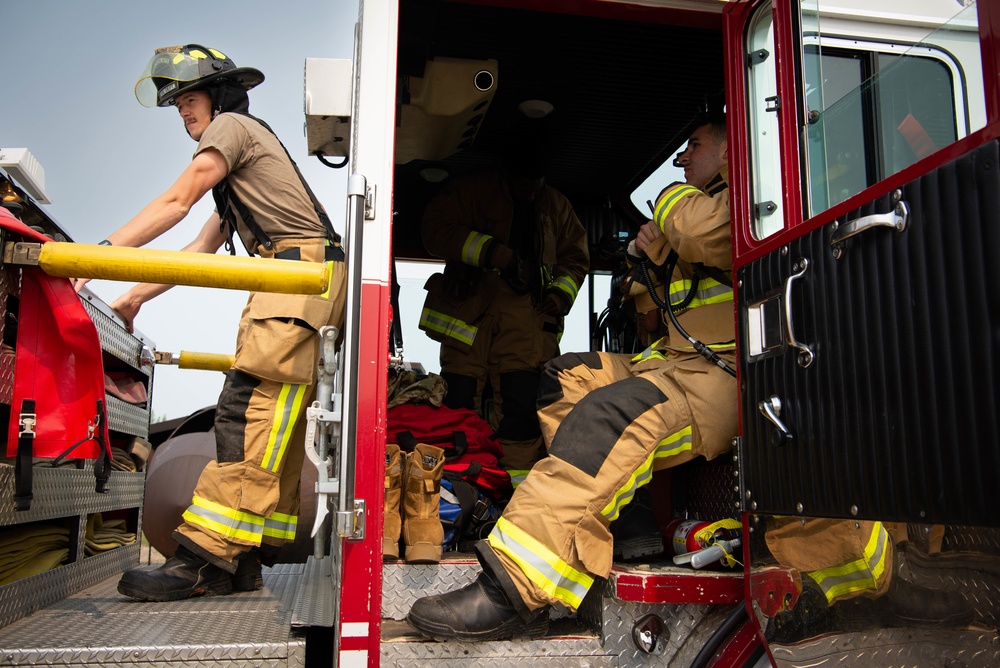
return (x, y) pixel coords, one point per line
(100, 627)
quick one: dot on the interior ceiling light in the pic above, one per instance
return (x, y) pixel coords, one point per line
(535, 108)
(433, 174)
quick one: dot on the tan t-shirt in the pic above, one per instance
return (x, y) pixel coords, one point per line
(263, 178)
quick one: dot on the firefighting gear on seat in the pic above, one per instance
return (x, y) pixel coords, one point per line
(174, 70)
(423, 534)
(515, 259)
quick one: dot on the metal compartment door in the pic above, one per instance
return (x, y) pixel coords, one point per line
(871, 358)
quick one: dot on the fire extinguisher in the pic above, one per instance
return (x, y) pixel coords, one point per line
(692, 546)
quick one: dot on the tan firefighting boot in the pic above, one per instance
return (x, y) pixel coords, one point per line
(423, 534)
(392, 519)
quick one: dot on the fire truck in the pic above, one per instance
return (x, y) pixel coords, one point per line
(864, 156)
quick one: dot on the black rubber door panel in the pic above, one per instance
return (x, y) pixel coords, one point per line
(871, 358)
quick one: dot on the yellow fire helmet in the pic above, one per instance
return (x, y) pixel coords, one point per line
(178, 69)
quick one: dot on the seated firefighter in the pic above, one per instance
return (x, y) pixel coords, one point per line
(609, 421)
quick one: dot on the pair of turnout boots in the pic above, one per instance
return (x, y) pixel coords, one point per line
(186, 575)
(413, 503)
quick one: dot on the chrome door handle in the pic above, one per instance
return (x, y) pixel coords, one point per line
(896, 219)
(771, 409)
(805, 357)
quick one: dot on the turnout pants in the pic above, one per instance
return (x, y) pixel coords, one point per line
(249, 496)
(608, 424)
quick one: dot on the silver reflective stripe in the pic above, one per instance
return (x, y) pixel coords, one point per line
(473, 248)
(544, 568)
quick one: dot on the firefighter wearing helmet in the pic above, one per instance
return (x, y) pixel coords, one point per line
(246, 502)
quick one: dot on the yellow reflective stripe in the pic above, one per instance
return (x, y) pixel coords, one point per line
(197, 53)
(473, 248)
(281, 525)
(543, 567)
(666, 203)
(567, 285)
(225, 521)
(286, 413)
(709, 291)
(676, 443)
(858, 575)
(217, 54)
(448, 326)
(517, 476)
(650, 353)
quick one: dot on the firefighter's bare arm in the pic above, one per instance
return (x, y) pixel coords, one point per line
(209, 240)
(160, 215)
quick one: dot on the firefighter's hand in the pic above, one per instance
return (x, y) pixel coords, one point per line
(78, 283)
(553, 304)
(127, 309)
(516, 275)
(648, 233)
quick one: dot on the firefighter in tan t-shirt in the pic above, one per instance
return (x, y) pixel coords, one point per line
(246, 501)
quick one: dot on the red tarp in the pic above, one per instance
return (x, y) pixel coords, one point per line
(58, 362)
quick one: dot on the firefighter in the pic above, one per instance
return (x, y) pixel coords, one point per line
(515, 255)
(245, 502)
(608, 421)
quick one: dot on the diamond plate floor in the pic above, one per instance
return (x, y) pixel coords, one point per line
(99, 627)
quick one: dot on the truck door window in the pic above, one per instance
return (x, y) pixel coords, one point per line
(881, 95)
(765, 156)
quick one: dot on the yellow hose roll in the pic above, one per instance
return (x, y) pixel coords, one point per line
(141, 265)
(205, 361)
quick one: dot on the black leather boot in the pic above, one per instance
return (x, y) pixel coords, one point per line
(249, 576)
(479, 611)
(914, 605)
(184, 575)
(636, 533)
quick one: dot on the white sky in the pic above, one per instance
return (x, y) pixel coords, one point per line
(70, 68)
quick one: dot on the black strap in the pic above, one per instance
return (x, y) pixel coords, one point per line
(102, 467)
(407, 441)
(468, 499)
(225, 201)
(332, 254)
(22, 466)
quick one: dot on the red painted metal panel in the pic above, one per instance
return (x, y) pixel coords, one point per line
(775, 589)
(740, 647)
(699, 587)
(361, 593)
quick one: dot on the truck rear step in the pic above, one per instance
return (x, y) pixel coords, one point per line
(100, 627)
